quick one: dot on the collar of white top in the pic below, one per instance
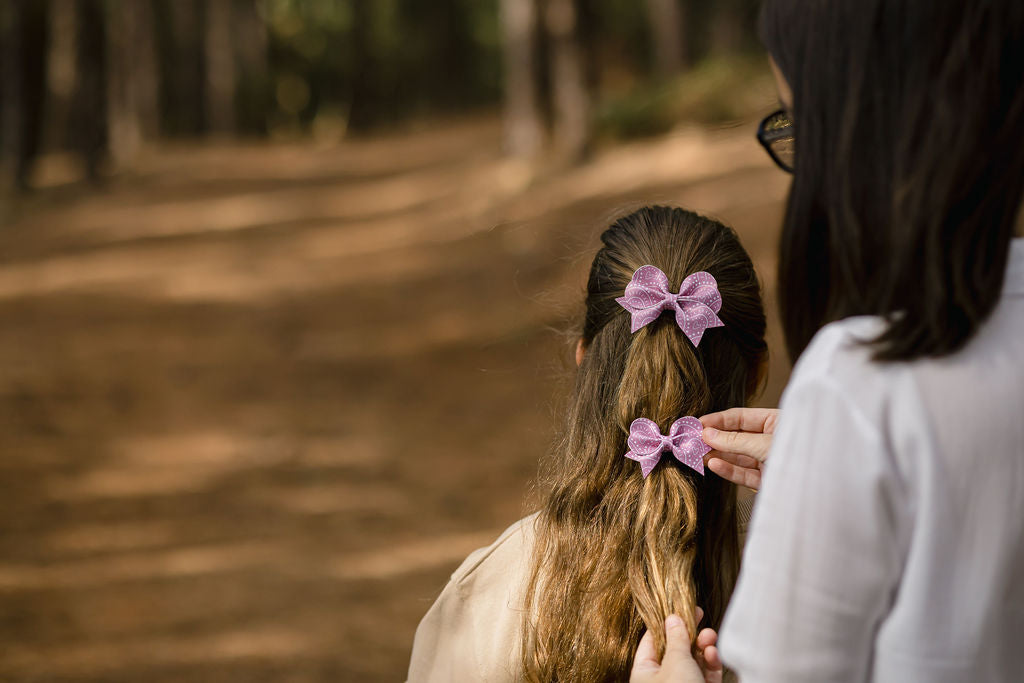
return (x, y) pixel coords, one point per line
(1014, 282)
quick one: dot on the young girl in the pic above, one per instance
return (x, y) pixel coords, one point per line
(631, 529)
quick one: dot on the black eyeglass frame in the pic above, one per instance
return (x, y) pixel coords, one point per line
(766, 136)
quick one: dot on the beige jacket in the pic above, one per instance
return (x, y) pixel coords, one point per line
(472, 631)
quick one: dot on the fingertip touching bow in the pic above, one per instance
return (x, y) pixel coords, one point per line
(646, 443)
(696, 305)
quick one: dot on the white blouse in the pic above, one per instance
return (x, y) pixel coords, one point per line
(887, 543)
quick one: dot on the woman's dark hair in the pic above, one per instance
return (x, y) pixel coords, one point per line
(909, 125)
(617, 553)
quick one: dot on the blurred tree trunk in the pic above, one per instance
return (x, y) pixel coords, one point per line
(146, 71)
(588, 28)
(180, 29)
(25, 36)
(251, 60)
(665, 18)
(361, 97)
(88, 132)
(190, 20)
(132, 114)
(61, 70)
(220, 67)
(727, 28)
(568, 80)
(524, 130)
(10, 87)
(452, 40)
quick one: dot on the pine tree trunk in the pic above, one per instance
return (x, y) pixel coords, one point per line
(131, 89)
(362, 96)
(220, 67)
(10, 87)
(568, 81)
(727, 28)
(146, 72)
(250, 51)
(524, 132)
(25, 59)
(88, 130)
(588, 31)
(665, 18)
(186, 94)
(62, 70)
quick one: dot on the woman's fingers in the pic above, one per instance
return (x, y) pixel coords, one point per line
(737, 459)
(741, 439)
(677, 666)
(742, 443)
(706, 638)
(741, 476)
(713, 669)
(678, 658)
(759, 420)
(645, 662)
(707, 656)
(712, 658)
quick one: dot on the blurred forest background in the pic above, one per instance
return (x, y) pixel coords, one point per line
(283, 287)
(101, 78)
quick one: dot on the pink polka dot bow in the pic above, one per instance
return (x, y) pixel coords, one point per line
(646, 444)
(696, 305)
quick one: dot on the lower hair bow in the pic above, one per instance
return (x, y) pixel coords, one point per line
(646, 443)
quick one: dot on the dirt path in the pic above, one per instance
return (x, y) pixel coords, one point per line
(258, 402)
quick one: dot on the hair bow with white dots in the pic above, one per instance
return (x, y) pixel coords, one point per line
(646, 443)
(696, 305)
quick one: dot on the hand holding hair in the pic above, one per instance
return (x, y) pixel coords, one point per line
(741, 439)
(678, 665)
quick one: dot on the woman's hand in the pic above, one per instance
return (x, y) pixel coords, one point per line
(741, 438)
(678, 665)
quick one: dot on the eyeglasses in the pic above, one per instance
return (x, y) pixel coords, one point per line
(776, 135)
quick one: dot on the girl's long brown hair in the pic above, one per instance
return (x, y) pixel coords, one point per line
(616, 553)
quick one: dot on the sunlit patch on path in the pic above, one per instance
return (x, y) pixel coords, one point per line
(410, 558)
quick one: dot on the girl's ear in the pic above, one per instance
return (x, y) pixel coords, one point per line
(580, 350)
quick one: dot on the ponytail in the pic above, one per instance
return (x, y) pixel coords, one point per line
(662, 380)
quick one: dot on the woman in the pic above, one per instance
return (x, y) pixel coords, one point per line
(888, 539)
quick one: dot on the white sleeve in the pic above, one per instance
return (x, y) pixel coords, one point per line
(823, 556)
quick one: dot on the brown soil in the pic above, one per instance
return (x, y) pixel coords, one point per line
(257, 402)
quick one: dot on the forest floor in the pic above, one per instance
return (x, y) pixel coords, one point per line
(258, 401)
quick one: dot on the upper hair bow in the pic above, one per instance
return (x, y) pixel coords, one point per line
(696, 305)
(646, 444)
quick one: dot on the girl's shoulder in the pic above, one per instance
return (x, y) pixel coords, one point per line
(505, 556)
(471, 632)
